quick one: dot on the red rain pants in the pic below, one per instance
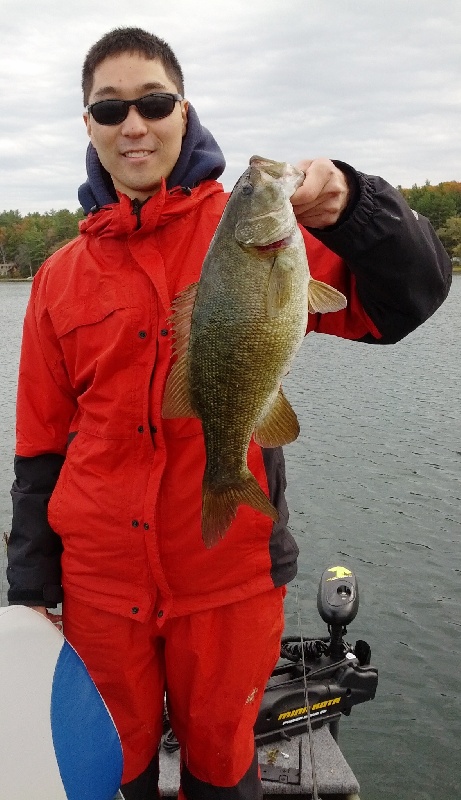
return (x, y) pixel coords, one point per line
(213, 666)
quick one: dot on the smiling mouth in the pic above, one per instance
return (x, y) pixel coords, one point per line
(137, 153)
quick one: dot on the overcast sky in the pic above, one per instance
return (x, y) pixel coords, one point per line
(376, 83)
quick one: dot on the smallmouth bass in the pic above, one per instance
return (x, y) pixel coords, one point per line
(236, 334)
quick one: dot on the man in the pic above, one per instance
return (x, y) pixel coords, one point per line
(146, 605)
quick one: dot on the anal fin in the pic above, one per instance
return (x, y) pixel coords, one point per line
(279, 426)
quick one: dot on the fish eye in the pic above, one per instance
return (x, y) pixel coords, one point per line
(247, 188)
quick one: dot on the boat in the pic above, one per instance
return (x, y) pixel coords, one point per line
(315, 683)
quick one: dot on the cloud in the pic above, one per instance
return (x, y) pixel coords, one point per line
(373, 84)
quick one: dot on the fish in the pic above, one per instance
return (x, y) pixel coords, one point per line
(236, 332)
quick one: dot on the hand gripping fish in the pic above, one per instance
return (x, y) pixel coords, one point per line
(236, 334)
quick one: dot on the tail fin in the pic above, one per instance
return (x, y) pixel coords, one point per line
(219, 506)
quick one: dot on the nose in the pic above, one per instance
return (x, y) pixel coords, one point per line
(134, 124)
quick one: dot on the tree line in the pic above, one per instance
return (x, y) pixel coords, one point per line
(26, 241)
(442, 205)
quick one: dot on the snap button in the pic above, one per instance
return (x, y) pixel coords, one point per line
(135, 523)
(142, 334)
(164, 332)
(140, 428)
(134, 610)
(160, 614)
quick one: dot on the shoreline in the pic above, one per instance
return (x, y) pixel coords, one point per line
(456, 271)
(16, 280)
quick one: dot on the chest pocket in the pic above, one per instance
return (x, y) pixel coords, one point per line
(99, 343)
(86, 311)
(94, 336)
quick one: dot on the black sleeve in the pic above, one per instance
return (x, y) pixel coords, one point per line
(402, 271)
(34, 549)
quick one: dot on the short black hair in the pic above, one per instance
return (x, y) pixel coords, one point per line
(130, 40)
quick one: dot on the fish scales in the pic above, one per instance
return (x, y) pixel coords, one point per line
(248, 317)
(237, 355)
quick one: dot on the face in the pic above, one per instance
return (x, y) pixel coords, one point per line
(138, 152)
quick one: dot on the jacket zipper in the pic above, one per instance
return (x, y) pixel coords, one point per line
(136, 207)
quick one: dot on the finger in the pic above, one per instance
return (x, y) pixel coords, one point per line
(56, 619)
(318, 173)
(321, 215)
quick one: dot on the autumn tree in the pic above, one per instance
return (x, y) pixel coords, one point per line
(441, 204)
(450, 236)
(437, 203)
(28, 241)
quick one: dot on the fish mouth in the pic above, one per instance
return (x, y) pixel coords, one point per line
(269, 220)
(279, 170)
(280, 244)
(271, 167)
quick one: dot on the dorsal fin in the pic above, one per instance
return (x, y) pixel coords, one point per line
(176, 400)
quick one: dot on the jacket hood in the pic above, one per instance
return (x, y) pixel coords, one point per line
(200, 159)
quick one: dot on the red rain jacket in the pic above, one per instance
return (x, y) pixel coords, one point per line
(96, 354)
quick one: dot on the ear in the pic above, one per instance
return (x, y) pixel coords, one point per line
(184, 110)
(87, 121)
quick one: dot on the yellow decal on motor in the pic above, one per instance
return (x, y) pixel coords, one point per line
(299, 712)
(340, 572)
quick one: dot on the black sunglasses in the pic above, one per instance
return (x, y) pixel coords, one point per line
(151, 106)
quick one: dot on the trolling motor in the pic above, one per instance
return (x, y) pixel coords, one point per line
(331, 674)
(337, 604)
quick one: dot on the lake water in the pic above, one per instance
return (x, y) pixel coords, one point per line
(375, 485)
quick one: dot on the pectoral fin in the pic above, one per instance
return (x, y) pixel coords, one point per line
(322, 298)
(279, 426)
(279, 289)
(176, 399)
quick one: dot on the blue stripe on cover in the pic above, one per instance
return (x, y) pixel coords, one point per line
(86, 742)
